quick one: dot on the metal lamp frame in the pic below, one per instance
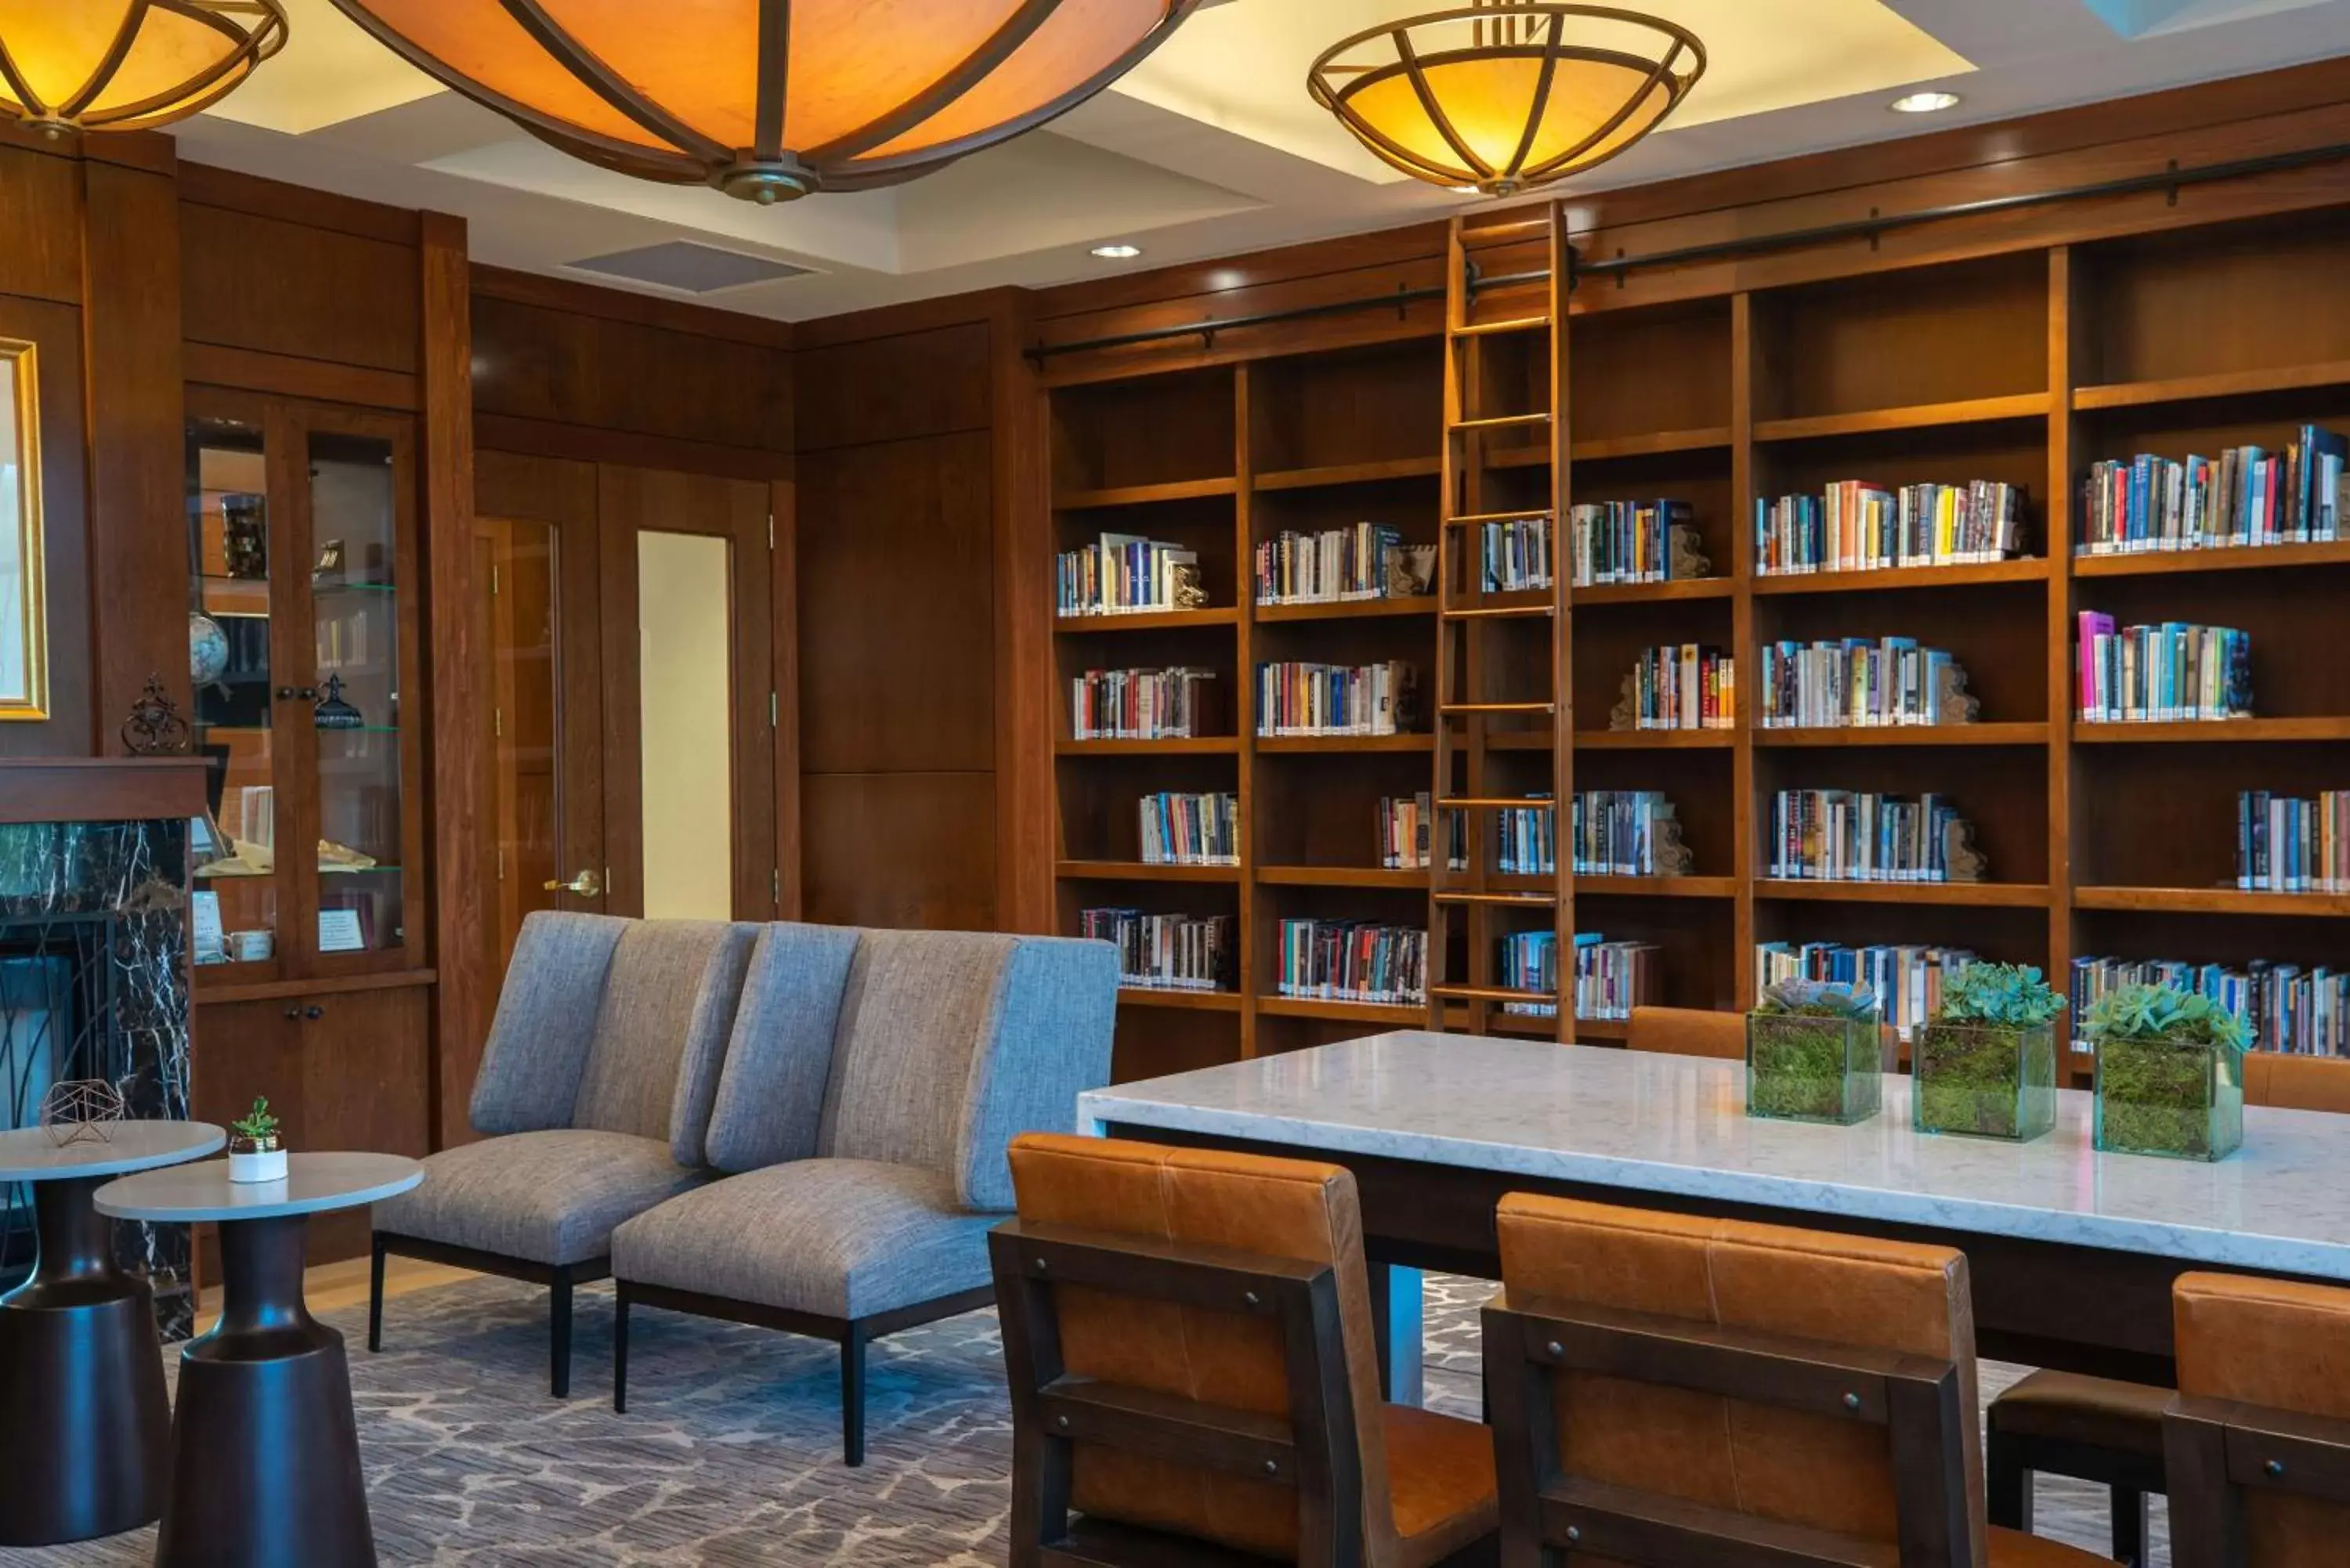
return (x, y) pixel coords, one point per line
(256, 28)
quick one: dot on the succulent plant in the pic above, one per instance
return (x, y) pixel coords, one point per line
(2164, 1012)
(257, 1125)
(2003, 995)
(1818, 998)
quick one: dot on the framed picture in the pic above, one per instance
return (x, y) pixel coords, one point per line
(23, 614)
(209, 940)
(339, 931)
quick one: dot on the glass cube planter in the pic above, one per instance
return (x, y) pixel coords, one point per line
(1810, 1069)
(1983, 1080)
(2178, 1098)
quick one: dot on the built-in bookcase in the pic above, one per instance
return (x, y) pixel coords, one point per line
(2022, 368)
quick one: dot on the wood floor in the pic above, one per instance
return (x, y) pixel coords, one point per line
(331, 1287)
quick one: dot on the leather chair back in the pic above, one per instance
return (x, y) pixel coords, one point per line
(2297, 1082)
(1688, 1032)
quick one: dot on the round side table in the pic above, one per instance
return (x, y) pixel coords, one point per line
(85, 1427)
(264, 1469)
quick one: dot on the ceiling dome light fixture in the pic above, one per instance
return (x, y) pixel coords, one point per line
(1120, 252)
(770, 99)
(1923, 102)
(128, 64)
(1502, 96)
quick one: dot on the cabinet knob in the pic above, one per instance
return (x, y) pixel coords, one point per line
(292, 1013)
(288, 693)
(314, 1012)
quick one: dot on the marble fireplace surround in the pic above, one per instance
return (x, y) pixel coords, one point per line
(94, 866)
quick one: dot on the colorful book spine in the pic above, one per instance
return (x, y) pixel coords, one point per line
(1856, 527)
(1179, 829)
(2170, 673)
(1616, 832)
(1122, 574)
(1908, 979)
(1516, 554)
(1626, 541)
(2245, 498)
(1854, 835)
(1141, 704)
(1354, 961)
(2286, 845)
(1294, 699)
(1331, 566)
(2303, 1011)
(1891, 681)
(1685, 686)
(1406, 833)
(1167, 951)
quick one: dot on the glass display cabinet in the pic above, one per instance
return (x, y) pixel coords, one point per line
(303, 643)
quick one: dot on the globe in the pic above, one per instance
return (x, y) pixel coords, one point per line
(207, 649)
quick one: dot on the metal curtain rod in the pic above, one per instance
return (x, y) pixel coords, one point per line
(2172, 180)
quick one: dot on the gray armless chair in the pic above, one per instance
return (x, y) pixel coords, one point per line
(864, 1209)
(593, 1101)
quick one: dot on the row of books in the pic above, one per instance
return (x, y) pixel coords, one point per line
(1610, 978)
(1407, 830)
(1525, 839)
(1517, 555)
(1855, 836)
(1334, 565)
(1891, 681)
(2285, 844)
(1856, 527)
(1354, 961)
(2245, 496)
(1685, 686)
(2156, 674)
(1123, 573)
(1174, 704)
(1179, 829)
(1616, 831)
(1907, 978)
(1168, 952)
(1296, 699)
(2305, 1012)
(1625, 541)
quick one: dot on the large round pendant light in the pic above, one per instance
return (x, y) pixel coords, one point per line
(128, 64)
(1505, 95)
(770, 99)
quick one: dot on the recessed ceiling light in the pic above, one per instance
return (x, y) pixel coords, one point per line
(1118, 253)
(1924, 102)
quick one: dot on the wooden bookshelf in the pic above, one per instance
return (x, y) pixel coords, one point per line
(2024, 367)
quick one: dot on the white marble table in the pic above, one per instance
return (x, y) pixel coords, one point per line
(32, 1154)
(2072, 1251)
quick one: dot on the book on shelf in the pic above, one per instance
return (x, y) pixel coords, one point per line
(1908, 978)
(1856, 527)
(1295, 699)
(2245, 497)
(1855, 682)
(1174, 704)
(1856, 835)
(1680, 686)
(1625, 541)
(1354, 961)
(1167, 951)
(1124, 573)
(2162, 674)
(1517, 555)
(1618, 832)
(2302, 1011)
(1180, 829)
(1525, 839)
(1329, 568)
(2285, 844)
(1407, 830)
(1610, 978)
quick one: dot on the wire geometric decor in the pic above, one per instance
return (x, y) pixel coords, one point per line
(81, 1110)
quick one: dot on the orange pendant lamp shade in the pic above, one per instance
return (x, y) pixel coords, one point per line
(128, 64)
(769, 99)
(1505, 95)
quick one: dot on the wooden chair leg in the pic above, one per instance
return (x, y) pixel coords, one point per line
(559, 1315)
(2007, 1485)
(852, 1397)
(620, 1350)
(2129, 1527)
(374, 1297)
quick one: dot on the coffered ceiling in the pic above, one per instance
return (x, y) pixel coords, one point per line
(1210, 146)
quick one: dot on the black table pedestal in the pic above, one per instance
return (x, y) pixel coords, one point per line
(85, 1427)
(265, 1447)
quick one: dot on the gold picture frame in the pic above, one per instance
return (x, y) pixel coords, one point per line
(23, 608)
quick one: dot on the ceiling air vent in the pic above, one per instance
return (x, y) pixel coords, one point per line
(688, 267)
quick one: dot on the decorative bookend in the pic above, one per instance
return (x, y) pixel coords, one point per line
(155, 728)
(1410, 569)
(1189, 594)
(81, 1110)
(1672, 857)
(1689, 557)
(1964, 862)
(1957, 707)
(1626, 714)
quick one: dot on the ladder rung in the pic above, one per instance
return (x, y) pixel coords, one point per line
(1542, 899)
(1497, 707)
(1494, 611)
(1503, 421)
(1490, 993)
(1525, 515)
(1538, 224)
(1514, 324)
(1479, 801)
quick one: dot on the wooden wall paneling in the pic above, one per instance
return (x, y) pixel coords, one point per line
(376, 1098)
(897, 387)
(1025, 722)
(288, 287)
(55, 330)
(137, 416)
(288, 376)
(468, 990)
(41, 192)
(909, 849)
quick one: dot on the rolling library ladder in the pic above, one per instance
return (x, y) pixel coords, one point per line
(1492, 689)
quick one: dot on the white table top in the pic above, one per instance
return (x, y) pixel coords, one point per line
(1677, 1125)
(30, 1154)
(314, 1184)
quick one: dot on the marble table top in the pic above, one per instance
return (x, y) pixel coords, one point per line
(1677, 1125)
(313, 1184)
(29, 1153)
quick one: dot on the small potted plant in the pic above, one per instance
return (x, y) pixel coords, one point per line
(1985, 1065)
(1814, 1054)
(2170, 1073)
(255, 1153)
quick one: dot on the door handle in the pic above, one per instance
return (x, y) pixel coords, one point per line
(587, 885)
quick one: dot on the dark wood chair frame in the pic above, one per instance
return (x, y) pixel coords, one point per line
(851, 1333)
(2217, 1451)
(2013, 1458)
(559, 1279)
(1546, 1513)
(1312, 1451)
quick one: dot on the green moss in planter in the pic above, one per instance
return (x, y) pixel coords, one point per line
(1812, 1053)
(2170, 1073)
(1986, 1065)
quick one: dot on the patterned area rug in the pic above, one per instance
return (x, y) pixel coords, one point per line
(729, 1452)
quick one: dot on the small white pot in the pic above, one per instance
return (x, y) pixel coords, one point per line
(262, 1165)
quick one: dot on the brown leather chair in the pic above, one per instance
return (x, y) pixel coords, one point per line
(2258, 1439)
(1688, 1032)
(2109, 1432)
(1670, 1390)
(1187, 1339)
